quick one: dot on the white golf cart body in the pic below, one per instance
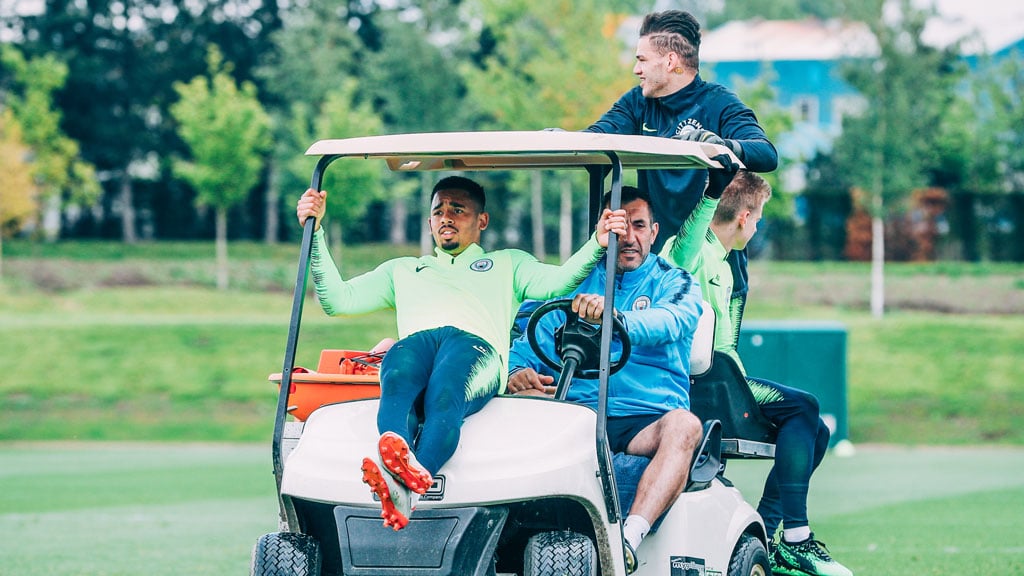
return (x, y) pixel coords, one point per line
(524, 465)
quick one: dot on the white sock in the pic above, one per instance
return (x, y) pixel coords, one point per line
(634, 529)
(414, 498)
(798, 534)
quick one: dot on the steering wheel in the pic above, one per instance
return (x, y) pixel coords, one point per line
(577, 339)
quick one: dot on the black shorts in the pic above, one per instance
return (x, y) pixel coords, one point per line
(622, 429)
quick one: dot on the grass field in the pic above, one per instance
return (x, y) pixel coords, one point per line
(120, 509)
(108, 342)
(100, 341)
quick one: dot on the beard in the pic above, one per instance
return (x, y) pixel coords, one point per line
(446, 244)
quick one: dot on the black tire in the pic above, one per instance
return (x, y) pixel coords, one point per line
(286, 554)
(750, 558)
(559, 554)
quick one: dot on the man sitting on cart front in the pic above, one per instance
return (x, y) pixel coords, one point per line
(454, 311)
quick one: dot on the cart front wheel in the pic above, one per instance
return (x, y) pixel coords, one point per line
(559, 554)
(286, 554)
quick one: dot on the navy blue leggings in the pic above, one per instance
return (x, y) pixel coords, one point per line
(799, 448)
(435, 378)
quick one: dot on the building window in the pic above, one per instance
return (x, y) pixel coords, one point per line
(805, 109)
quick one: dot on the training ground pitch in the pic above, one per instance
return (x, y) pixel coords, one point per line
(106, 509)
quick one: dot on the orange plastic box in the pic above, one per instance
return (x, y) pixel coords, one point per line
(311, 390)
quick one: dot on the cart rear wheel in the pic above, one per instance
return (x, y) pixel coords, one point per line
(559, 553)
(286, 554)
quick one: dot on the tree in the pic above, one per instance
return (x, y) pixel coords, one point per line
(971, 148)
(737, 10)
(17, 190)
(409, 63)
(353, 184)
(123, 58)
(227, 131)
(311, 52)
(59, 174)
(559, 64)
(1000, 106)
(776, 121)
(759, 95)
(907, 89)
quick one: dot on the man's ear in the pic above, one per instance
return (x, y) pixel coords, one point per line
(674, 61)
(741, 219)
(485, 219)
(654, 231)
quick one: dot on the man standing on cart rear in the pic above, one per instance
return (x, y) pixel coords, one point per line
(673, 101)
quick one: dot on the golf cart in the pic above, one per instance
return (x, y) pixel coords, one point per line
(547, 502)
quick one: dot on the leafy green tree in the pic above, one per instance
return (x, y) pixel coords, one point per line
(314, 52)
(776, 121)
(734, 10)
(412, 82)
(123, 58)
(352, 184)
(559, 64)
(971, 148)
(61, 176)
(416, 87)
(886, 150)
(1000, 105)
(17, 189)
(227, 131)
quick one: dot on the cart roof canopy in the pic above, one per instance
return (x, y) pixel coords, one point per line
(521, 150)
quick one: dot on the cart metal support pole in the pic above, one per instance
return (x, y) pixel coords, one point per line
(604, 460)
(597, 174)
(298, 298)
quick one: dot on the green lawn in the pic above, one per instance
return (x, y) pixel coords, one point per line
(128, 509)
(894, 511)
(113, 509)
(104, 341)
(191, 364)
(156, 363)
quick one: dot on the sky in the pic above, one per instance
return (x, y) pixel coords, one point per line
(999, 22)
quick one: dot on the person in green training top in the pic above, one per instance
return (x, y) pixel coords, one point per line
(720, 223)
(454, 311)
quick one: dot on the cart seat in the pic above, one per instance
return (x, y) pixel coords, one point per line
(719, 391)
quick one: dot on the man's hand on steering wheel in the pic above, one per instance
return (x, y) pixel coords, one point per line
(590, 307)
(579, 335)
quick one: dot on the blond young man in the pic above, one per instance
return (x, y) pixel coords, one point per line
(716, 227)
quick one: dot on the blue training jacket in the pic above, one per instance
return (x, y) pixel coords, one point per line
(705, 105)
(660, 305)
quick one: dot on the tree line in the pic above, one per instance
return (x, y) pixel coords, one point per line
(174, 119)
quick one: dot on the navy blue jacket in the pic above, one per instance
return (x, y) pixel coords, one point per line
(706, 105)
